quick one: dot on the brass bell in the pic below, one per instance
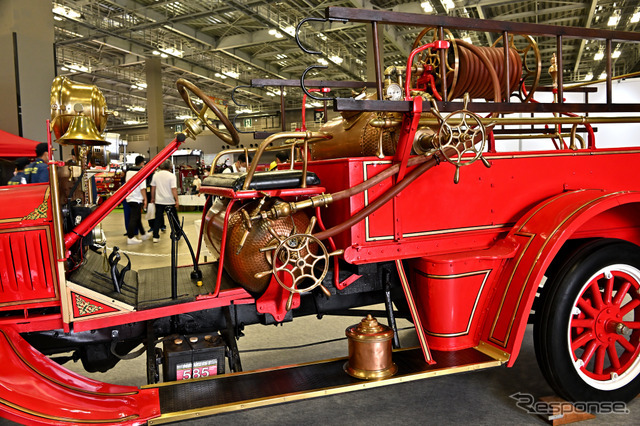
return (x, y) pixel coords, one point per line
(82, 131)
(370, 350)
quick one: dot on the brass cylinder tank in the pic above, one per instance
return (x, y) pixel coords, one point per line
(370, 355)
(353, 136)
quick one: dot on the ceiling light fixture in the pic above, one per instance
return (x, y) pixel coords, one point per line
(603, 76)
(336, 59)
(599, 55)
(616, 54)
(65, 11)
(275, 33)
(589, 76)
(448, 5)
(614, 19)
(426, 6)
(231, 73)
(172, 51)
(635, 18)
(323, 61)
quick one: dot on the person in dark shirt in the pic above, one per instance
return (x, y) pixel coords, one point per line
(38, 171)
(19, 178)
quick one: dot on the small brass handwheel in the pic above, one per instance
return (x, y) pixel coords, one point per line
(461, 132)
(296, 266)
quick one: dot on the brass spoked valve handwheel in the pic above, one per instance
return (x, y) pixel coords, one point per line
(300, 263)
(461, 134)
(184, 87)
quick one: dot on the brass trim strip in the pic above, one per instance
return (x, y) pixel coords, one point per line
(365, 177)
(65, 419)
(492, 351)
(506, 290)
(57, 382)
(549, 201)
(262, 402)
(544, 245)
(486, 273)
(417, 323)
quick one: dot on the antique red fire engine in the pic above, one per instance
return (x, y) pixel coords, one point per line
(412, 197)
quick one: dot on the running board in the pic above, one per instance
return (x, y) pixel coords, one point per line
(260, 388)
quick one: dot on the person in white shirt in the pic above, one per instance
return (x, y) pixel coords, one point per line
(164, 193)
(239, 166)
(137, 201)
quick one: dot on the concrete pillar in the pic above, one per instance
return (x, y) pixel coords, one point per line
(26, 46)
(155, 116)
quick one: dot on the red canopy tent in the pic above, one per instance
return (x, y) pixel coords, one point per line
(12, 146)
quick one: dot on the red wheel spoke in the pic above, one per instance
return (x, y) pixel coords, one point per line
(613, 356)
(582, 323)
(629, 307)
(634, 325)
(625, 343)
(622, 291)
(599, 362)
(608, 290)
(596, 297)
(589, 351)
(585, 306)
(581, 340)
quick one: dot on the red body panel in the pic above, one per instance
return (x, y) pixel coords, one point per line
(539, 235)
(458, 232)
(38, 390)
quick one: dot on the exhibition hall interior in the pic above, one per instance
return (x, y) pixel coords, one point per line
(319, 212)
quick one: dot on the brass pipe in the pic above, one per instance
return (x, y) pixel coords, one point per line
(601, 80)
(308, 136)
(537, 120)
(56, 211)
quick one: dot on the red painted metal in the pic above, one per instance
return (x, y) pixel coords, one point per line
(593, 333)
(224, 298)
(438, 44)
(539, 235)
(37, 390)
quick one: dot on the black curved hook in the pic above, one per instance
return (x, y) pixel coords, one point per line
(233, 123)
(304, 49)
(304, 88)
(233, 92)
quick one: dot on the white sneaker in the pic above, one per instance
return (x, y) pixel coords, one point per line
(133, 241)
(145, 237)
(156, 240)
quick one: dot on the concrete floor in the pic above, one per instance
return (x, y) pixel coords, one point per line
(475, 398)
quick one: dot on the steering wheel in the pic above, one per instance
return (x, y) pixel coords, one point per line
(184, 87)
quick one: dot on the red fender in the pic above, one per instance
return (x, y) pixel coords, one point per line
(539, 235)
(36, 390)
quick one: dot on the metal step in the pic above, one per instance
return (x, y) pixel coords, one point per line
(239, 391)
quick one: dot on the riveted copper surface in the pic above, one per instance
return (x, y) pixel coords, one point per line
(243, 266)
(353, 137)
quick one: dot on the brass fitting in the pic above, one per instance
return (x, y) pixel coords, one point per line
(288, 209)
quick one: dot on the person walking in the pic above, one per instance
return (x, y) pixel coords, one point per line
(38, 170)
(164, 193)
(137, 201)
(19, 178)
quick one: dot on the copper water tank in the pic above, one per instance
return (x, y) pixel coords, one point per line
(370, 350)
